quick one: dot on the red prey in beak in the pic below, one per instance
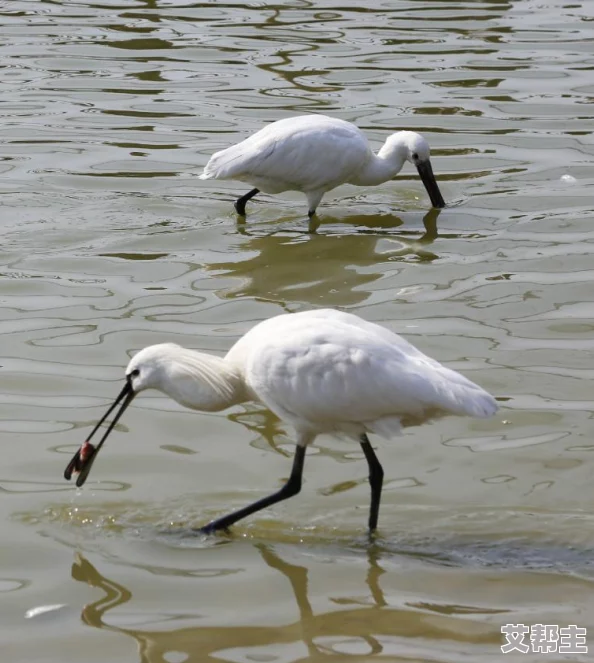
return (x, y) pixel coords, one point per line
(83, 459)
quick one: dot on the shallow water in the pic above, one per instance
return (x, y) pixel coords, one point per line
(110, 242)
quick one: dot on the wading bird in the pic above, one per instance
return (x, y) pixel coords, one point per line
(314, 154)
(322, 371)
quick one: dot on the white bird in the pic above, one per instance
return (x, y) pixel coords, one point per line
(322, 371)
(316, 153)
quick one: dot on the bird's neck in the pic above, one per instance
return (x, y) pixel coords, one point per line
(383, 166)
(205, 382)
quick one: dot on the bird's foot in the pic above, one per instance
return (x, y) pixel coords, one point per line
(239, 208)
(313, 225)
(211, 528)
(372, 536)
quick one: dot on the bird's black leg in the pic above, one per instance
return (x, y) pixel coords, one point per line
(292, 487)
(239, 204)
(376, 478)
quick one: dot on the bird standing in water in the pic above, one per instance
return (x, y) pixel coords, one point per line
(322, 371)
(316, 153)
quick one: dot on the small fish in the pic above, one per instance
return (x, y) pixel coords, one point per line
(43, 609)
(81, 461)
(86, 451)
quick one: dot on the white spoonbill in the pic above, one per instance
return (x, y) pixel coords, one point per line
(322, 371)
(316, 153)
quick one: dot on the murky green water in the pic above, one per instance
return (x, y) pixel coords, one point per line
(109, 242)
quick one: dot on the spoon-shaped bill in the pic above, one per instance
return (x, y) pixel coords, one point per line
(83, 459)
(428, 178)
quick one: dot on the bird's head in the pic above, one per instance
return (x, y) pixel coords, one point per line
(150, 368)
(194, 379)
(415, 148)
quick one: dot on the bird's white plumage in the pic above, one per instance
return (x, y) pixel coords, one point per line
(327, 371)
(281, 156)
(322, 371)
(314, 154)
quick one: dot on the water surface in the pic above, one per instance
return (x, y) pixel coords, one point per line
(110, 242)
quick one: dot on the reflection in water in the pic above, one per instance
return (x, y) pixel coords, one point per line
(365, 625)
(329, 269)
(98, 99)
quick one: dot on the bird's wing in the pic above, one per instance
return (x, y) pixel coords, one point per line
(303, 153)
(371, 328)
(327, 375)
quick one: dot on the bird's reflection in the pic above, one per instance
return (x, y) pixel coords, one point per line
(330, 269)
(385, 226)
(297, 576)
(369, 618)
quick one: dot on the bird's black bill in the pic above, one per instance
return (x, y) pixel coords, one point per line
(426, 173)
(83, 459)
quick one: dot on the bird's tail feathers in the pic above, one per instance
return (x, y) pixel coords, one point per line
(472, 401)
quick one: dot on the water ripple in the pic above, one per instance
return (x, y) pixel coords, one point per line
(110, 242)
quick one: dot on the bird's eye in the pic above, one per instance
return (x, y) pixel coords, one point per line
(133, 374)
(415, 156)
